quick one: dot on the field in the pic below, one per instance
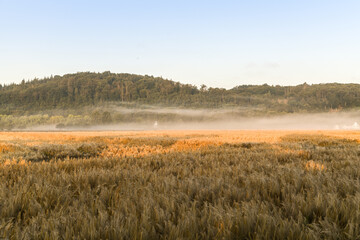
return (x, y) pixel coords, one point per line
(180, 185)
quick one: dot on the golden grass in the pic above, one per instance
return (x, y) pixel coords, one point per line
(311, 165)
(117, 141)
(270, 136)
(180, 185)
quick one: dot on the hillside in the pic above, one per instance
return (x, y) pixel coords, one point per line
(89, 89)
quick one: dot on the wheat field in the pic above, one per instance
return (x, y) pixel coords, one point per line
(180, 185)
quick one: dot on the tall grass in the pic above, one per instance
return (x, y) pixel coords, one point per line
(231, 191)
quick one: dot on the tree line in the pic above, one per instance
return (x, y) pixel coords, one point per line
(90, 89)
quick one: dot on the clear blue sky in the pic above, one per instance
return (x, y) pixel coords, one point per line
(218, 43)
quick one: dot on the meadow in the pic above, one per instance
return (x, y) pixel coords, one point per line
(180, 185)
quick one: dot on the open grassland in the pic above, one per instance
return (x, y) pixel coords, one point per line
(180, 185)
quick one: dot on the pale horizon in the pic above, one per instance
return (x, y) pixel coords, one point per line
(219, 44)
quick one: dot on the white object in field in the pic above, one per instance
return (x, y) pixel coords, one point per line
(155, 124)
(355, 126)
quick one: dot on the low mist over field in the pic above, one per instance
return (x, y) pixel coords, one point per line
(221, 120)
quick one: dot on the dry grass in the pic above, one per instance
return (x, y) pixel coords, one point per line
(180, 185)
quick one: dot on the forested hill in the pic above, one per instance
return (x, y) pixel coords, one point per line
(84, 89)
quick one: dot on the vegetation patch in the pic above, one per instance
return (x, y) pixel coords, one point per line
(232, 190)
(154, 141)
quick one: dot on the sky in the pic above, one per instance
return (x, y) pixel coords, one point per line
(216, 43)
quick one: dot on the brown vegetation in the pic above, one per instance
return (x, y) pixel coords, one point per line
(180, 185)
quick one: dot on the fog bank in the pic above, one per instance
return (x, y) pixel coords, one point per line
(320, 121)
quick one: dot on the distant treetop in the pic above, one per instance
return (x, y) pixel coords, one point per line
(88, 88)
